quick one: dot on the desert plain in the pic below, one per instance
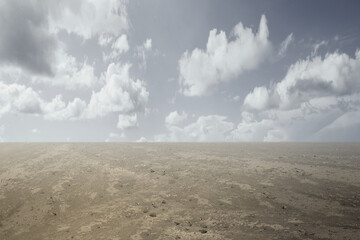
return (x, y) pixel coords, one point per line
(180, 191)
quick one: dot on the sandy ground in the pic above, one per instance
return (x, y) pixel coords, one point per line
(180, 191)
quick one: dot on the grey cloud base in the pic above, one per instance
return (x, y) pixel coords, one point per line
(24, 40)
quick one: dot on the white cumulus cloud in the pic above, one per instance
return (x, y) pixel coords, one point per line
(316, 97)
(120, 94)
(127, 121)
(16, 98)
(251, 129)
(334, 75)
(205, 129)
(223, 59)
(174, 118)
(58, 110)
(258, 98)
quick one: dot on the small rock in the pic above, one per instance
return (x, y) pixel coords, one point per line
(152, 171)
(163, 202)
(283, 207)
(203, 231)
(177, 223)
(152, 215)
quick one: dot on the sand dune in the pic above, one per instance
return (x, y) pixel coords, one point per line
(180, 191)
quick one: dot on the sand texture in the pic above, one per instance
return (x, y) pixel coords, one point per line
(180, 191)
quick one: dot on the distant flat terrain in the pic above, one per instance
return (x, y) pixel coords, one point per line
(180, 191)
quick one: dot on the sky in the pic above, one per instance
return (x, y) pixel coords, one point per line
(173, 71)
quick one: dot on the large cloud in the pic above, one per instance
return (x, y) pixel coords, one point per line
(223, 59)
(252, 130)
(28, 30)
(334, 75)
(120, 94)
(58, 110)
(205, 129)
(19, 99)
(316, 97)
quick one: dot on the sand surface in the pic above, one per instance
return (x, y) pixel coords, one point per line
(180, 191)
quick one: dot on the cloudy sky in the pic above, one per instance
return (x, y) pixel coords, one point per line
(164, 70)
